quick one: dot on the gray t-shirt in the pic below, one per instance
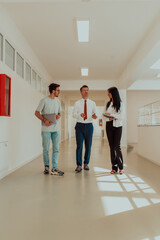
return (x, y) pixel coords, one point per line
(47, 106)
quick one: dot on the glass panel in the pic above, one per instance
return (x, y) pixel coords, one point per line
(9, 55)
(156, 118)
(150, 114)
(28, 73)
(20, 66)
(39, 84)
(156, 107)
(34, 79)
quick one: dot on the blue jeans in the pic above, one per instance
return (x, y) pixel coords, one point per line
(84, 132)
(55, 137)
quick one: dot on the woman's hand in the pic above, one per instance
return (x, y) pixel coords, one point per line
(111, 119)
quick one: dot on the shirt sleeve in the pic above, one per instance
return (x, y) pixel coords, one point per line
(120, 114)
(94, 108)
(75, 111)
(40, 106)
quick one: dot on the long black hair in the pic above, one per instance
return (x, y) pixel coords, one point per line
(116, 99)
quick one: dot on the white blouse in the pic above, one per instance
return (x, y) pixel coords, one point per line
(118, 115)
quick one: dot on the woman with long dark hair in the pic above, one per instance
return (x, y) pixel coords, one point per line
(114, 114)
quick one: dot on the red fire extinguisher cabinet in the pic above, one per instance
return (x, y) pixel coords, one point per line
(5, 95)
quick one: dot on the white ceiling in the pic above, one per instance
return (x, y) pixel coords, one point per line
(144, 71)
(117, 29)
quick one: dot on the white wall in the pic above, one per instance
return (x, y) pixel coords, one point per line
(22, 130)
(18, 41)
(135, 100)
(64, 118)
(148, 143)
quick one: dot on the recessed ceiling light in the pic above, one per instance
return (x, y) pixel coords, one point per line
(83, 31)
(156, 65)
(84, 71)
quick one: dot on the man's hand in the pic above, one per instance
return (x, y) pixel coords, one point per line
(94, 116)
(83, 115)
(58, 116)
(48, 123)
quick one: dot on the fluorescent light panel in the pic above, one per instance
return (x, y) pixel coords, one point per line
(84, 71)
(83, 31)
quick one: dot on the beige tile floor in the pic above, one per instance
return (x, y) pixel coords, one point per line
(89, 205)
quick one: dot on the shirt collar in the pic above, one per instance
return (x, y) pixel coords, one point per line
(85, 99)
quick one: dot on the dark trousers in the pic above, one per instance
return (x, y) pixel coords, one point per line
(84, 132)
(114, 135)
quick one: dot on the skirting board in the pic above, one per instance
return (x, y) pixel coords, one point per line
(149, 159)
(6, 172)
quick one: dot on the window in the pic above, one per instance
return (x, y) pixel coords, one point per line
(34, 79)
(28, 73)
(149, 115)
(20, 66)
(1, 47)
(39, 84)
(9, 55)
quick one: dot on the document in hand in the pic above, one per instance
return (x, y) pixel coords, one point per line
(108, 116)
(50, 117)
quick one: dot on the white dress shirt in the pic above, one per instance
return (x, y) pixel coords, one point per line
(118, 115)
(79, 109)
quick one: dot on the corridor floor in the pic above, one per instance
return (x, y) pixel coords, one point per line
(90, 205)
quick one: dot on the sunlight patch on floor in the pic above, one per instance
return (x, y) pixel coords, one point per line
(129, 192)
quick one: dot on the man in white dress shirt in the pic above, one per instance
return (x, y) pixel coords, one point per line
(84, 111)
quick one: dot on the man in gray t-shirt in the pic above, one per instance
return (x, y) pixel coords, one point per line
(50, 107)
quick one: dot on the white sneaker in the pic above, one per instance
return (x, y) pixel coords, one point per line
(56, 171)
